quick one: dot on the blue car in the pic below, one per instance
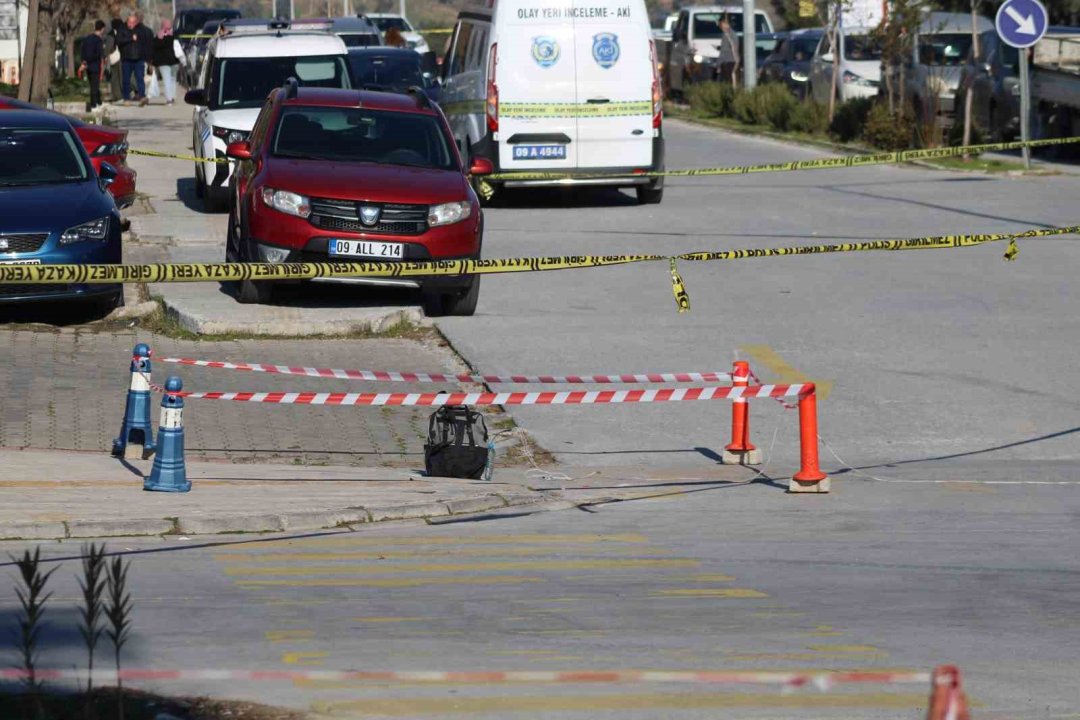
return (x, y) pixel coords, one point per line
(54, 209)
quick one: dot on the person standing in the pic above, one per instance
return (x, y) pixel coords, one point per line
(112, 52)
(129, 60)
(168, 56)
(93, 62)
(394, 38)
(729, 53)
(144, 40)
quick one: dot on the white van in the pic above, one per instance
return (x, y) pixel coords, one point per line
(858, 60)
(241, 68)
(558, 86)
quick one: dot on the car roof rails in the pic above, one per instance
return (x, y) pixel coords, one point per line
(422, 100)
(290, 88)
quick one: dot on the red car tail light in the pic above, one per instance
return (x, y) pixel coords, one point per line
(492, 105)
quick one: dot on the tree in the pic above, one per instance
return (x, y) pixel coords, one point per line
(70, 17)
(968, 100)
(40, 52)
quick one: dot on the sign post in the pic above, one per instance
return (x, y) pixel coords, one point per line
(1021, 24)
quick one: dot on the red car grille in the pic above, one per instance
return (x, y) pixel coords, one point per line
(344, 215)
(25, 243)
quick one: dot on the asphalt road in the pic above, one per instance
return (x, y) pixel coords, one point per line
(723, 577)
(924, 355)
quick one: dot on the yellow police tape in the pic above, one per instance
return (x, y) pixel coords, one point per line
(232, 272)
(845, 161)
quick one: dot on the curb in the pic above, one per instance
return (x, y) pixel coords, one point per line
(262, 523)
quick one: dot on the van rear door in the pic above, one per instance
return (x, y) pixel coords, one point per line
(614, 84)
(535, 76)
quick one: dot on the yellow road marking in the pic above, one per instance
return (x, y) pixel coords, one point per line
(713, 592)
(303, 658)
(350, 539)
(390, 582)
(823, 631)
(846, 649)
(461, 567)
(430, 553)
(276, 636)
(406, 707)
(785, 373)
(708, 578)
(389, 619)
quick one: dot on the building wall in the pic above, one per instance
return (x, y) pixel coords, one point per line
(12, 42)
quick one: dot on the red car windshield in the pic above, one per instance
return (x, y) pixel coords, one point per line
(360, 135)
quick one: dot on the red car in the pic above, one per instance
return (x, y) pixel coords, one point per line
(332, 175)
(103, 144)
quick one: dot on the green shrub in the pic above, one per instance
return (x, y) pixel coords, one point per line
(809, 117)
(9, 90)
(774, 105)
(744, 109)
(888, 130)
(849, 119)
(711, 98)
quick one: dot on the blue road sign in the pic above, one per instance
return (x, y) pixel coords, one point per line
(1021, 23)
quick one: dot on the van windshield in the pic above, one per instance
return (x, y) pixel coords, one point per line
(707, 25)
(861, 47)
(245, 82)
(945, 49)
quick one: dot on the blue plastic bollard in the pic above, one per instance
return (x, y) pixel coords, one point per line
(136, 428)
(169, 473)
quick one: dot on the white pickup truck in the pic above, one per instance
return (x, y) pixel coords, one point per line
(1055, 84)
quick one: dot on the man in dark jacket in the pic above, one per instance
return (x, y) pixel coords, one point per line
(136, 44)
(93, 59)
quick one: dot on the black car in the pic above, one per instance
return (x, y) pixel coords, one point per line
(388, 69)
(54, 209)
(789, 63)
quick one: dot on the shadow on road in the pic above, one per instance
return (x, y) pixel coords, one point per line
(185, 193)
(580, 197)
(334, 296)
(58, 314)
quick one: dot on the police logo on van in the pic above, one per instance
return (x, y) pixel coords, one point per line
(605, 49)
(545, 51)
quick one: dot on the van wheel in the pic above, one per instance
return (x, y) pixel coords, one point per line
(649, 195)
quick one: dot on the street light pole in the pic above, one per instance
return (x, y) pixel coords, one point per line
(749, 44)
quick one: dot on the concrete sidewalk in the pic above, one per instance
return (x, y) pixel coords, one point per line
(47, 495)
(52, 495)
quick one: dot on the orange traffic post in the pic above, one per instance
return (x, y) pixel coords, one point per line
(947, 700)
(740, 451)
(809, 479)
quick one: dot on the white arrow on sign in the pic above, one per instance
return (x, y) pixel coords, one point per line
(1024, 25)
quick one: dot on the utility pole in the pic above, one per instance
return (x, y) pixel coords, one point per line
(749, 43)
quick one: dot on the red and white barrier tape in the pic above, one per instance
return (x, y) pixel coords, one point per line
(822, 681)
(384, 376)
(787, 405)
(571, 397)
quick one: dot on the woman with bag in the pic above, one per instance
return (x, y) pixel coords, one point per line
(167, 58)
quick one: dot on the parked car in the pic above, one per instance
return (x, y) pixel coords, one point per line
(857, 60)
(942, 46)
(240, 70)
(346, 175)
(789, 63)
(192, 20)
(355, 32)
(994, 79)
(536, 91)
(388, 69)
(664, 31)
(103, 144)
(196, 52)
(413, 40)
(54, 207)
(695, 42)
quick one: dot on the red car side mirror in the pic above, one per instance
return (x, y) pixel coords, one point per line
(481, 166)
(239, 150)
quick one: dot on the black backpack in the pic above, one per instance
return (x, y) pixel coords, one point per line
(457, 443)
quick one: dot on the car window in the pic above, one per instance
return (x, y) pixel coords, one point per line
(802, 48)
(245, 82)
(258, 132)
(361, 135)
(461, 45)
(946, 49)
(360, 39)
(476, 52)
(385, 23)
(34, 156)
(861, 47)
(707, 25)
(375, 71)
